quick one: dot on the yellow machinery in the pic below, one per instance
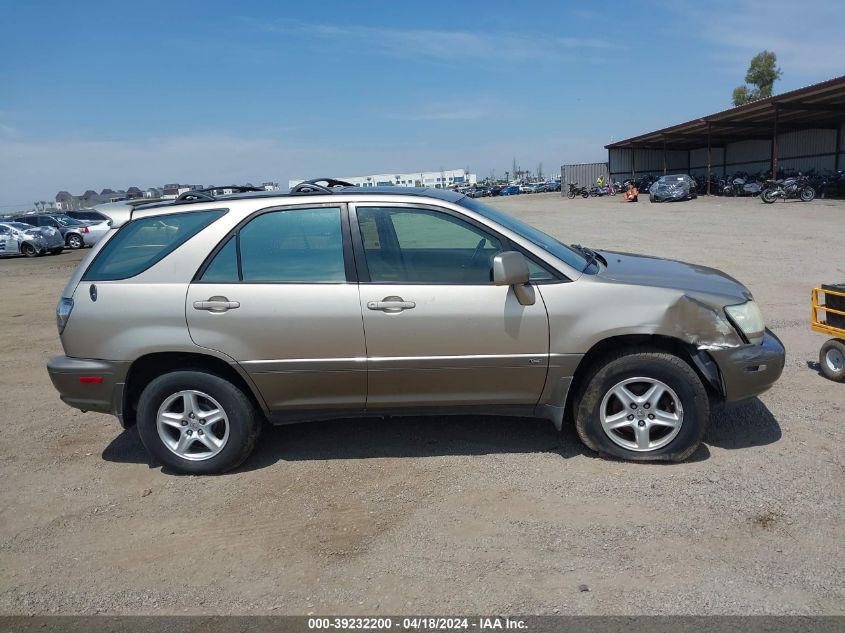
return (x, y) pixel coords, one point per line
(828, 317)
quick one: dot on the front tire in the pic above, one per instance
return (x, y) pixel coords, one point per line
(571, 195)
(642, 405)
(832, 360)
(197, 423)
(28, 250)
(768, 196)
(808, 194)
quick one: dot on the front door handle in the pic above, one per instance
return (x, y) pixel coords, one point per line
(391, 305)
(216, 304)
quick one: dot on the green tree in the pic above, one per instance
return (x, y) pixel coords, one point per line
(759, 80)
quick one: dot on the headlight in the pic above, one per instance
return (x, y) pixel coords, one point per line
(63, 311)
(748, 319)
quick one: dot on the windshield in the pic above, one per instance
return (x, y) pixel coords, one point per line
(66, 220)
(547, 242)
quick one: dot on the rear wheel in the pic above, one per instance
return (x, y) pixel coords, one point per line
(74, 241)
(832, 359)
(585, 194)
(571, 195)
(29, 250)
(644, 405)
(808, 194)
(768, 196)
(196, 422)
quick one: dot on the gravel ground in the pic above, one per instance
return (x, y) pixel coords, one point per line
(474, 515)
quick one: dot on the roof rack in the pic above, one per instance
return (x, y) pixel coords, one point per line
(205, 195)
(314, 186)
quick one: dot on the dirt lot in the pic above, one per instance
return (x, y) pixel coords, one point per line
(446, 516)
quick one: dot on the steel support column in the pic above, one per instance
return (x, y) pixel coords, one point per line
(709, 159)
(775, 147)
(664, 155)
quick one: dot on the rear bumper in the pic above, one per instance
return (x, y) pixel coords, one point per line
(749, 370)
(105, 396)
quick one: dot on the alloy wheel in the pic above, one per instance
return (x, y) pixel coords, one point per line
(641, 414)
(192, 425)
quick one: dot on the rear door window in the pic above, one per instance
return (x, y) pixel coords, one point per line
(142, 243)
(290, 246)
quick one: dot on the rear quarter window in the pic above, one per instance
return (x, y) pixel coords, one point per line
(142, 243)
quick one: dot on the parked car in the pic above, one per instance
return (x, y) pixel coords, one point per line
(477, 192)
(199, 320)
(496, 189)
(75, 233)
(553, 185)
(673, 188)
(89, 216)
(17, 238)
(510, 190)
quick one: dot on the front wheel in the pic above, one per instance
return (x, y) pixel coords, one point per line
(643, 405)
(196, 422)
(585, 194)
(28, 250)
(832, 359)
(571, 195)
(808, 194)
(768, 196)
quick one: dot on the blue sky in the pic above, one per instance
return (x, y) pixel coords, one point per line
(113, 94)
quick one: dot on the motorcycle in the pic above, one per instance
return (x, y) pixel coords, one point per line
(741, 184)
(790, 188)
(575, 190)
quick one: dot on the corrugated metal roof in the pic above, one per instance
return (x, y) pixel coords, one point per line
(819, 106)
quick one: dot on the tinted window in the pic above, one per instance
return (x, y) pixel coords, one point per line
(143, 242)
(298, 245)
(64, 220)
(420, 246)
(224, 267)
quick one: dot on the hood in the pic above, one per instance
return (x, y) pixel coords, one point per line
(640, 270)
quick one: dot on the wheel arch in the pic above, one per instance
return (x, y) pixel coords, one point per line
(700, 361)
(150, 366)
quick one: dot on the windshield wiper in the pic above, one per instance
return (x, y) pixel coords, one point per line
(588, 253)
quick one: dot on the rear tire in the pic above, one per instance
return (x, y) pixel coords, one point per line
(832, 360)
(195, 445)
(571, 195)
(768, 196)
(74, 241)
(667, 426)
(808, 194)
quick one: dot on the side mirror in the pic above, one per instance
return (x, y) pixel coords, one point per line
(511, 269)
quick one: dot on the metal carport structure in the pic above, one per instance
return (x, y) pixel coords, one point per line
(805, 127)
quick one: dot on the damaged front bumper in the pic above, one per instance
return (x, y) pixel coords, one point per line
(90, 385)
(749, 370)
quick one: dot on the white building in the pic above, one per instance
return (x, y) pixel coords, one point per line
(435, 179)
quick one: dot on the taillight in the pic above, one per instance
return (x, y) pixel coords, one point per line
(84, 229)
(63, 311)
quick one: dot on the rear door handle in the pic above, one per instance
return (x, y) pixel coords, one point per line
(391, 304)
(216, 304)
